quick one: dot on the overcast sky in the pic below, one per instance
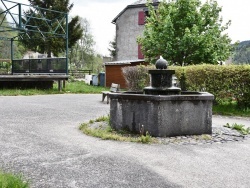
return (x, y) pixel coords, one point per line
(100, 13)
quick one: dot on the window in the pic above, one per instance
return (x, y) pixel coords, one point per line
(140, 54)
(141, 18)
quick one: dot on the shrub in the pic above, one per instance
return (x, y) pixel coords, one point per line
(136, 77)
(226, 83)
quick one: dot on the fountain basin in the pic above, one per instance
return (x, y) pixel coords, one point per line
(189, 113)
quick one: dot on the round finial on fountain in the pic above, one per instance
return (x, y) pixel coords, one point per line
(161, 63)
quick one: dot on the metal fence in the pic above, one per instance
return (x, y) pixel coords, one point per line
(44, 65)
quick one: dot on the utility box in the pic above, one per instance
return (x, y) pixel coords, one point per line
(95, 80)
(88, 79)
(102, 79)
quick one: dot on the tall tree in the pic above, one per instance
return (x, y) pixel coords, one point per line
(48, 43)
(112, 48)
(82, 53)
(186, 32)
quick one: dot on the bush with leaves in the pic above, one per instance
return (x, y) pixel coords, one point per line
(136, 77)
(226, 83)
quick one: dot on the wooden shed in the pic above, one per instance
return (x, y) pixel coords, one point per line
(113, 71)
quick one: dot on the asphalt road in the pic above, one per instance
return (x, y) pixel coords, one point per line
(39, 138)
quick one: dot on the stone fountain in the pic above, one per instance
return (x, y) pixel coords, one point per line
(162, 109)
(161, 80)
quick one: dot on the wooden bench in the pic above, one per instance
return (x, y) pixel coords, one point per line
(114, 88)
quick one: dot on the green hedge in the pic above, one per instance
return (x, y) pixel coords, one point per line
(227, 83)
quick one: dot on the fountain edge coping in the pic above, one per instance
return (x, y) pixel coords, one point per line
(191, 96)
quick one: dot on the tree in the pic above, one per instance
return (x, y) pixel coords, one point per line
(5, 45)
(82, 53)
(185, 32)
(112, 48)
(241, 53)
(49, 44)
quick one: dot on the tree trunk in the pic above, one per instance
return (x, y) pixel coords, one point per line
(49, 54)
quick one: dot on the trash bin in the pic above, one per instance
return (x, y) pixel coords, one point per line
(95, 80)
(102, 79)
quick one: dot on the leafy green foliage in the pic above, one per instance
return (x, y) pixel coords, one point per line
(8, 180)
(185, 33)
(226, 83)
(5, 67)
(81, 55)
(239, 127)
(112, 48)
(145, 139)
(5, 45)
(241, 53)
(136, 77)
(50, 44)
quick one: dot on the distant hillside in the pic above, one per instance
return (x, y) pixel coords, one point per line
(241, 54)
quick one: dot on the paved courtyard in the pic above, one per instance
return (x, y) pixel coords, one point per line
(39, 138)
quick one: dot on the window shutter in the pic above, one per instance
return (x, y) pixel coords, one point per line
(141, 18)
(140, 54)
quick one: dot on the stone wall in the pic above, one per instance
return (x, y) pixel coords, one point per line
(162, 116)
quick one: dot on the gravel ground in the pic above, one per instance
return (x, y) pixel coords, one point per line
(220, 134)
(39, 138)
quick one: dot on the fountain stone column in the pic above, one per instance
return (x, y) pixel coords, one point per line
(161, 80)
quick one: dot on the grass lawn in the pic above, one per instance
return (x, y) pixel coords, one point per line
(8, 180)
(103, 130)
(81, 87)
(230, 109)
(71, 87)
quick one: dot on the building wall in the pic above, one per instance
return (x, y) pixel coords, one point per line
(127, 31)
(113, 74)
